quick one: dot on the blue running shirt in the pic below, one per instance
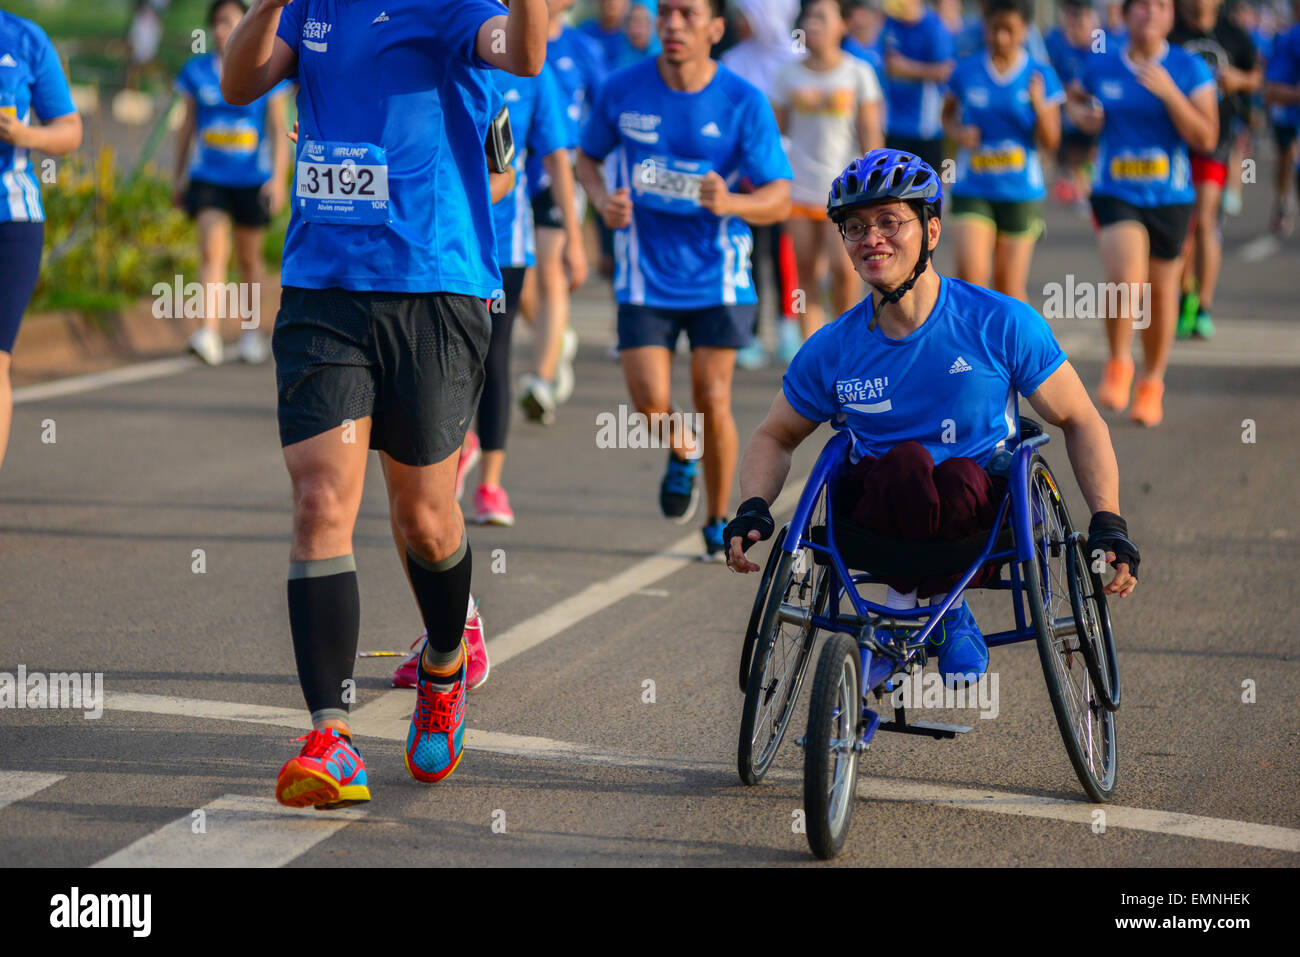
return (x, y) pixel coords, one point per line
(398, 92)
(1141, 158)
(31, 81)
(913, 108)
(539, 128)
(231, 147)
(1284, 67)
(1006, 167)
(578, 63)
(675, 254)
(955, 378)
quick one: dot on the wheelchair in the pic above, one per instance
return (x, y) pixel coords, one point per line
(819, 558)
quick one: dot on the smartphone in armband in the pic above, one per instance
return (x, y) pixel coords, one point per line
(500, 143)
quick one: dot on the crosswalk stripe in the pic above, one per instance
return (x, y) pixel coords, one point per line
(238, 831)
(17, 785)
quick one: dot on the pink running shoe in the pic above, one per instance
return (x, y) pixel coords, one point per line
(493, 508)
(477, 674)
(470, 452)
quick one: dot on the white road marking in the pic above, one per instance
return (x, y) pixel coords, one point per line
(17, 785)
(1133, 818)
(140, 372)
(238, 831)
(391, 712)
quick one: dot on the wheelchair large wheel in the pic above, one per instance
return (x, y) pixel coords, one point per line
(1087, 724)
(1092, 618)
(830, 764)
(760, 602)
(782, 648)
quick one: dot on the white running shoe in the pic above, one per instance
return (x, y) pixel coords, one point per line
(537, 400)
(206, 344)
(254, 347)
(564, 378)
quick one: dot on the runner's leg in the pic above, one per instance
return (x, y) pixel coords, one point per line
(711, 374)
(973, 247)
(327, 473)
(811, 266)
(214, 254)
(1012, 256)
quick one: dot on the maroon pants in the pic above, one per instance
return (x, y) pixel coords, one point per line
(904, 495)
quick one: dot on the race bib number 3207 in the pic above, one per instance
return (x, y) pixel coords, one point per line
(343, 183)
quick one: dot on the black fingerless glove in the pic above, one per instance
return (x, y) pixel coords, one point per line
(752, 515)
(1108, 532)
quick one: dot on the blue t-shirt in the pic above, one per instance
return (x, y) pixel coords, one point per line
(231, 146)
(398, 92)
(616, 49)
(869, 54)
(538, 126)
(1141, 159)
(675, 254)
(577, 60)
(31, 81)
(913, 108)
(1284, 67)
(1067, 61)
(1006, 167)
(954, 378)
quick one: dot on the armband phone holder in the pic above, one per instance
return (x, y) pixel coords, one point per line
(500, 143)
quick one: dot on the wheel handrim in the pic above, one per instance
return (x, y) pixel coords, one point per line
(843, 748)
(1090, 722)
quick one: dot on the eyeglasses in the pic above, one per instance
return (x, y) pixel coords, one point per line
(887, 225)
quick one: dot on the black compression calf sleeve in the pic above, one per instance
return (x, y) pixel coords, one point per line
(442, 592)
(325, 620)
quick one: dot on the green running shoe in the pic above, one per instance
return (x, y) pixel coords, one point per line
(1191, 304)
(1204, 325)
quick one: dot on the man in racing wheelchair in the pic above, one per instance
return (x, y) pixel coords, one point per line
(923, 375)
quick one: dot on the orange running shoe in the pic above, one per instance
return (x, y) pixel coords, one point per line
(1148, 409)
(1116, 380)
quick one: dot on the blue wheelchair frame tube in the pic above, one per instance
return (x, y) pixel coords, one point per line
(876, 669)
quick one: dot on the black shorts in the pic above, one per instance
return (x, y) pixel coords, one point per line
(20, 267)
(929, 150)
(1283, 136)
(1166, 226)
(244, 204)
(714, 327)
(412, 362)
(1075, 144)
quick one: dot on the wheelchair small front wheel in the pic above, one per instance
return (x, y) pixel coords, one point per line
(830, 764)
(1087, 723)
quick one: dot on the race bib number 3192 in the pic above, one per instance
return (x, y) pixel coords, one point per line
(343, 183)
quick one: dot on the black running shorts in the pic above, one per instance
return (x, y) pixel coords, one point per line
(413, 363)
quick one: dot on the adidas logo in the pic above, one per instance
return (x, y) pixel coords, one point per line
(961, 365)
(382, 18)
(7, 60)
(711, 129)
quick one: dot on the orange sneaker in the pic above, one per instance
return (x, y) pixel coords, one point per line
(1116, 379)
(1148, 409)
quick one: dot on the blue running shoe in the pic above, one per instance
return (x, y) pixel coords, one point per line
(963, 656)
(678, 496)
(435, 740)
(715, 549)
(752, 356)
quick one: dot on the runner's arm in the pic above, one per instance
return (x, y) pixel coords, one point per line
(905, 68)
(516, 42)
(767, 204)
(256, 59)
(56, 137)
(1282, 94)
(184, 139)
(870, 125)
(502, 184)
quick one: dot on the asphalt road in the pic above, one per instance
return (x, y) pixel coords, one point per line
(592, 595)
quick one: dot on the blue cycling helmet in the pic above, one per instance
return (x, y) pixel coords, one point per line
(886, 174)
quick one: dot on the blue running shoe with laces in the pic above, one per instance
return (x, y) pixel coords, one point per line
(963, 656)
(715, 549)
(435, 740)
(678, 496)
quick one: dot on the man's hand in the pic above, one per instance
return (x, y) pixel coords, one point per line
(714, 195)
(753, 523)
(969, 137)
(13, 132)
(617, 208)
(1107, 532)
(276, 195)
(1037, 91)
